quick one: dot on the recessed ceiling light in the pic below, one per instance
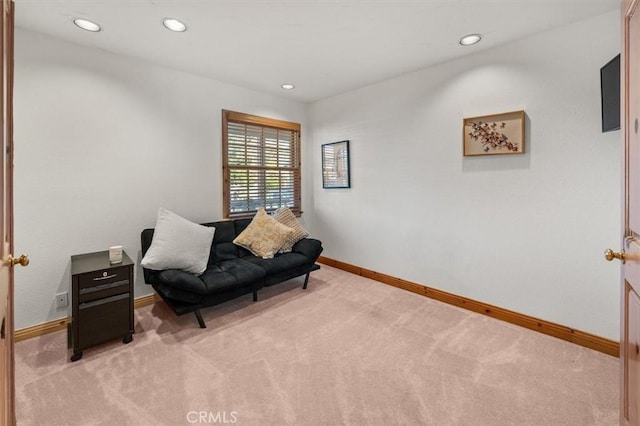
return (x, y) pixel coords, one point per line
(470, 39)
(174, 25)
(288, 86)
(87, 25)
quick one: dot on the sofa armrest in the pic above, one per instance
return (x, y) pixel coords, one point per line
(309, 248)
(146, 236)
(181, 280)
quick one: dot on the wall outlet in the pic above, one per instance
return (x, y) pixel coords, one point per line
(62, 300)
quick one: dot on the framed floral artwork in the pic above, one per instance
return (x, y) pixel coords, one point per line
(335, 165)
(495, 134)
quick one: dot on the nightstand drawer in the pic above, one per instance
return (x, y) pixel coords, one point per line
(97, 278)
(88, 294)
(103, 319)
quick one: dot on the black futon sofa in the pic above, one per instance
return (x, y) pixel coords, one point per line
(232, 271)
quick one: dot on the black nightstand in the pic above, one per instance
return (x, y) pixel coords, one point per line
(102, 301)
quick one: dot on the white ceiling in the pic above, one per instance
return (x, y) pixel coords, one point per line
(324, 47)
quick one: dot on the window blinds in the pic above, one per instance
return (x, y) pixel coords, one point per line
(261, 165)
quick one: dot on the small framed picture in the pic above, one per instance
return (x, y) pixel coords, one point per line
(495, 134)
(335, 165)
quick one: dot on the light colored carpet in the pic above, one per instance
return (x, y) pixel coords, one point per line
(346, 351)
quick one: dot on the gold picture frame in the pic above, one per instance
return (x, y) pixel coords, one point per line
(496, 134)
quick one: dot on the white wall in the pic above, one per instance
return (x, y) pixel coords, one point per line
(523, 232)
(101, 141)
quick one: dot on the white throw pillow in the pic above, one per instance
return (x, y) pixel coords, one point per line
(178, 244)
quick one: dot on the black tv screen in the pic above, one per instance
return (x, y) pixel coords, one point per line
(610, 94)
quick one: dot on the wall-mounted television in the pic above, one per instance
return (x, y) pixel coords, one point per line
(610, 94)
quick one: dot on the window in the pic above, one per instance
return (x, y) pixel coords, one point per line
(261, 164)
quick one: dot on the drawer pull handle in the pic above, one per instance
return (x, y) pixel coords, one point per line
(106, 277)
(104, 301)
(104, 286)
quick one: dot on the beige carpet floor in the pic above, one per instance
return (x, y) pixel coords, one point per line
(346, 351)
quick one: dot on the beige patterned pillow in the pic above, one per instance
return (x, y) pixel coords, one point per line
(287, 218)
(264, 236)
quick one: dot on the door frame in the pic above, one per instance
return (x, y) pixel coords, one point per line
(7, 355)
